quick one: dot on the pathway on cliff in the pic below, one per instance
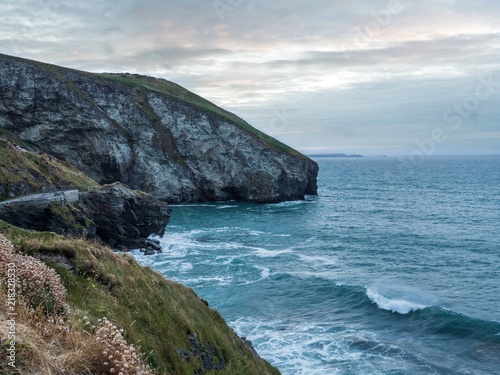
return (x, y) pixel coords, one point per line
(44, 199)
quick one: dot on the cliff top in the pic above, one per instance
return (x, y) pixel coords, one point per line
(149, 133)
(167, 88)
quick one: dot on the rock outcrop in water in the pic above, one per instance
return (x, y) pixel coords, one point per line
(149, 133)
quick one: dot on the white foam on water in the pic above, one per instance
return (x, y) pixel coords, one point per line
(319, 260)
(265, 273)
(401, 306)
(306, 348)
(265, 253)
(224, 207)
(225, 260)
(145, 260)
(325, 275)
(222, 229)
(182, 244)
(396, 296)
(222, 260)
(185, 267)
(290, 203)
(208, 281)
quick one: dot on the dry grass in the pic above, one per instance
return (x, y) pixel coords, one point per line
(39, 285)
(48, 339)
(47, 345)
(117, 356)
(157, 315)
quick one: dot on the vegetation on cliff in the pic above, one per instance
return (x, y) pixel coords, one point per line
(148, 133)
(170, 89)
(73, 307)
(176, 91)
(115, 213)
(176, 332)
(96, 311)
(26, 172)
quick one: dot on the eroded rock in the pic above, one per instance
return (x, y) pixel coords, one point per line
(149, 133)
(125, 217)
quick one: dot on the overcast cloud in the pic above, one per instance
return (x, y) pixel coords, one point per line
(371, 77)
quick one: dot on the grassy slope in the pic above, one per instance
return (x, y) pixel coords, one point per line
(36, 170)
(157, 314)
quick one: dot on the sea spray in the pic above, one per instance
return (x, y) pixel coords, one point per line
(399, 298)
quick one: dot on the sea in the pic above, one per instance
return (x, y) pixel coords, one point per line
(394, 268)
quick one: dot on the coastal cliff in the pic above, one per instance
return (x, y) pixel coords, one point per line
(54, 196)
(100, 156)
(149, 133)
(110, 301)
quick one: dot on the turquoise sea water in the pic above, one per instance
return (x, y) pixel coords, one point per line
(393, 269)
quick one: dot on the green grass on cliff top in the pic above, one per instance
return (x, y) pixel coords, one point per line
(156, 314)
(169, 89)
(176, 91)
(30, 171)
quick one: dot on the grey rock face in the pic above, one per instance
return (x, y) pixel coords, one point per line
(116, 214)
(124, 217)
(51, 216)
(152, 140)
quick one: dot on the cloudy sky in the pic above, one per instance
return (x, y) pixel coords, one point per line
(393, 77)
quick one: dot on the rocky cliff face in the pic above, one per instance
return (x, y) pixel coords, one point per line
(150, 134)
(125, 217)
(77, 205)
(52, 217)
(116, 214)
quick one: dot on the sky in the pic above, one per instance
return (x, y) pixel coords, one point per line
(374, 77)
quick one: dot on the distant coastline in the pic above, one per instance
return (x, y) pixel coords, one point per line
(335, 156)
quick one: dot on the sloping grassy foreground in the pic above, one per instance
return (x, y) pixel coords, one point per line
(167, 321)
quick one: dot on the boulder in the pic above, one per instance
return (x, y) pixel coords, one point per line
(125, 217)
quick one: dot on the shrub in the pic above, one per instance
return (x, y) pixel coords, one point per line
(54, 344)
(39, 285)
(117, 356)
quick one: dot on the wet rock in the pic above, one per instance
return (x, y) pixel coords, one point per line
(148, 251)
(153, 245)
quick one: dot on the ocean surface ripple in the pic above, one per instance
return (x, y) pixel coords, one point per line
(392, 269)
